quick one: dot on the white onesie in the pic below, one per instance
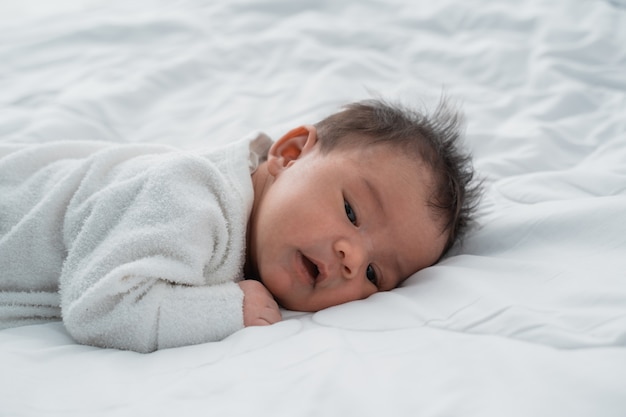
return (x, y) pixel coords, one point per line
(134, 246)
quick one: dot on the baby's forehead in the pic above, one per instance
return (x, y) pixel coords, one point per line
(419, 169)
(365, 146)
(402, 190)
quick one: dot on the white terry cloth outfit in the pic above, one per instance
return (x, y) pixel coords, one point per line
(135, 246)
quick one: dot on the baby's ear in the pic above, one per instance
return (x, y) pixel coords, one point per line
(286, 150)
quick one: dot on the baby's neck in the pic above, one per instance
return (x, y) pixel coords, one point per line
(261, 181)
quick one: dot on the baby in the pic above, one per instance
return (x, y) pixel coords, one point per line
(145, 247)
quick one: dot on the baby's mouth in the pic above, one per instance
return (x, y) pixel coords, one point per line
(311, 268)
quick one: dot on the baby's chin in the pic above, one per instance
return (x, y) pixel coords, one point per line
(297, 305)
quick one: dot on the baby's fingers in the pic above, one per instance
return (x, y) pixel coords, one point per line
(259, 307)
(269, 315)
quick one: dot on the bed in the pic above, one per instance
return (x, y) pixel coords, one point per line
(526, 318)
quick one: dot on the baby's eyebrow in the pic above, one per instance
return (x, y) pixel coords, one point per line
(375, 194)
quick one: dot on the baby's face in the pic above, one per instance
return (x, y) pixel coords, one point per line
(341, 226)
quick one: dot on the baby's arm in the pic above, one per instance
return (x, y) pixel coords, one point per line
(259, 307)
(153, 253)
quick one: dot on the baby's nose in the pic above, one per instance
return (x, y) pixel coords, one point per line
(351, 257)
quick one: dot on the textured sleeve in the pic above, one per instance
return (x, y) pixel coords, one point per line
(154, 252)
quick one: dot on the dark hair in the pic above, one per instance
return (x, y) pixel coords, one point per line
(434, 139)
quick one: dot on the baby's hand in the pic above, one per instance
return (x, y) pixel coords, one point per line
(259, 307)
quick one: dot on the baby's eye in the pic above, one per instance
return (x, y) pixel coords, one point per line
(370, 273)
(349, 212)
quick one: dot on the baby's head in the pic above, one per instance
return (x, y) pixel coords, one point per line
(357, 203)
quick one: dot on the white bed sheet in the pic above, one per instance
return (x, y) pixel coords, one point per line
(527, 318)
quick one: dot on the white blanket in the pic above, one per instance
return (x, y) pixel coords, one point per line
(527, 318)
